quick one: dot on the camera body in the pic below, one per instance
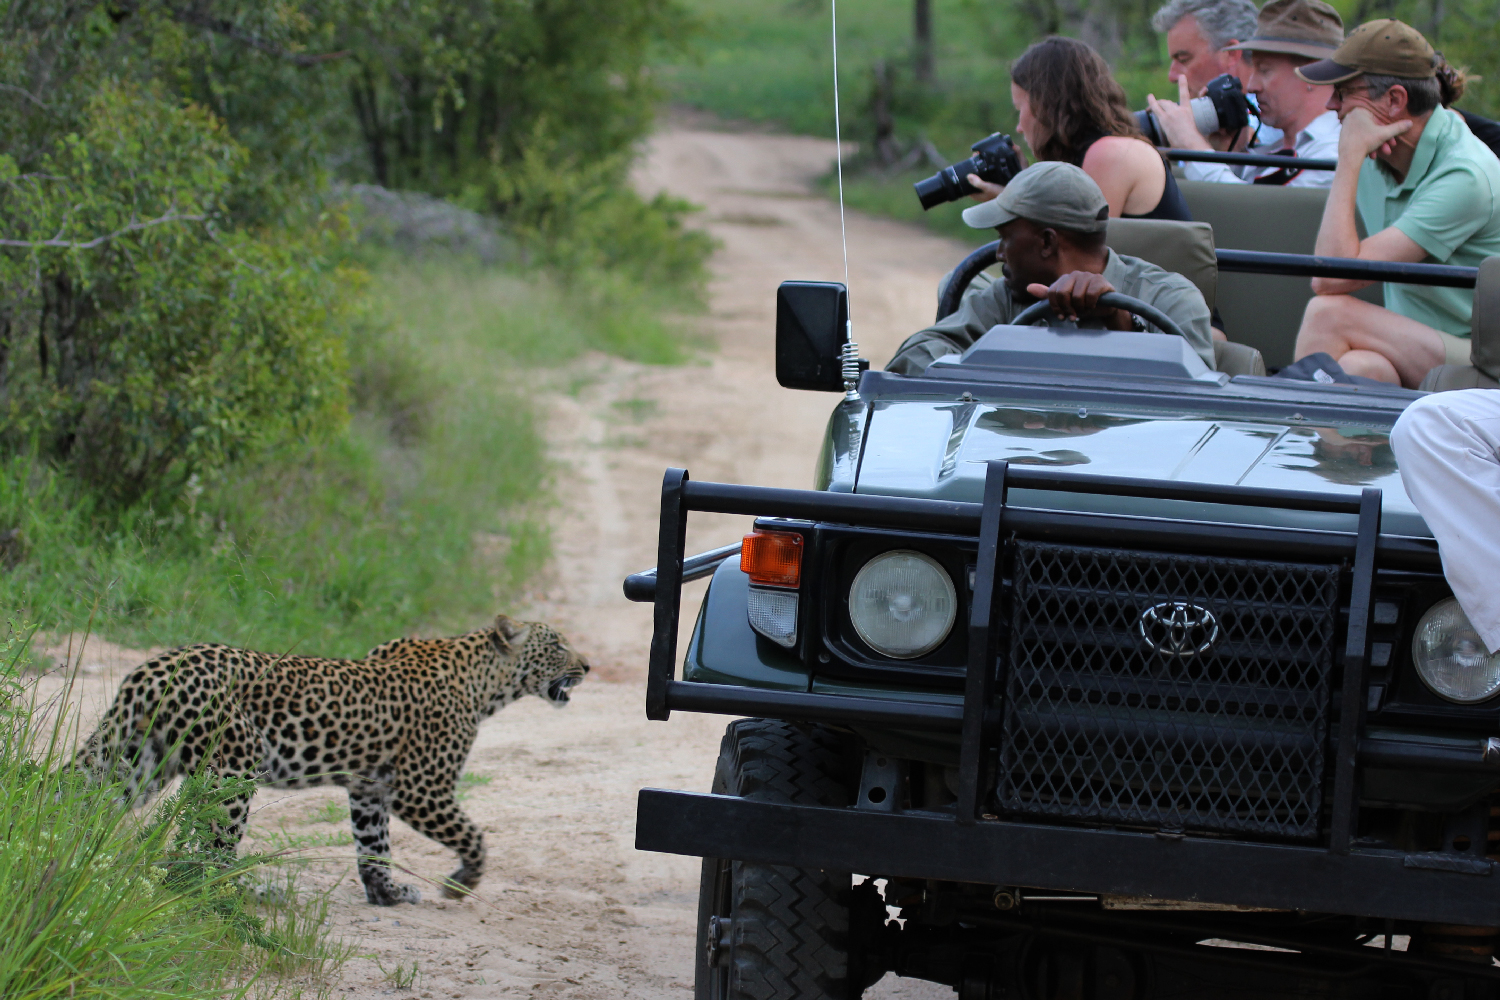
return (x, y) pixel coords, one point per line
(994, 160)
(1223, 107)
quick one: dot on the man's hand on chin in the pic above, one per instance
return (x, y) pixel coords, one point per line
(1362, 135)
(1075, 296)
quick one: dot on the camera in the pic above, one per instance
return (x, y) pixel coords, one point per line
(995, 160)
(1223, 107)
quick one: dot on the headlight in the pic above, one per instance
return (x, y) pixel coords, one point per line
(902, 604)
(1451, 658)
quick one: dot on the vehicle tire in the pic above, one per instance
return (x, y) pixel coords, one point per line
(788, 935)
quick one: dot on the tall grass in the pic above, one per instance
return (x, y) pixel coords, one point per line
(425, 515)
(103, 902)
(517, 320)
(331, 547)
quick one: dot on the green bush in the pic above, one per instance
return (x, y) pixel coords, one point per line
(144, 341)
(418, 517)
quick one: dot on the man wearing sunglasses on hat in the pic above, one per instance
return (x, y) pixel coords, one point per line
(1427, 191)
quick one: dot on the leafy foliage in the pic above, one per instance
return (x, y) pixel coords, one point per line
(417, 517)
(173, 300)
(444, 93)
(143, 339)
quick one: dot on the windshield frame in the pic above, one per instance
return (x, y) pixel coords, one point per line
(1257, 396)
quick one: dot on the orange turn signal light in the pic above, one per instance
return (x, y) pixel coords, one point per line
(772, 558)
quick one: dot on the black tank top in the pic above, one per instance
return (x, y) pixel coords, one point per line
(1172, 205)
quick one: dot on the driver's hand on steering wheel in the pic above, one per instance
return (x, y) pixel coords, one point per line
(1075, 296)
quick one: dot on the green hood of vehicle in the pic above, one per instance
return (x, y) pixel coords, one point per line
(921, 448)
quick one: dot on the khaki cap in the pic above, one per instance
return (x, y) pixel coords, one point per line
(1386, 48)
(1050, 193)
(1309, 28)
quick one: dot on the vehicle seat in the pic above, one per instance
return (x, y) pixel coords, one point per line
(1184, 247)
(1264, 310)
(1484, 329)
(1237, 359)
(1188, 249)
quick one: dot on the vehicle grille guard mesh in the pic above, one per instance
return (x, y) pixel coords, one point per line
(1167, 691)
(1258, 779)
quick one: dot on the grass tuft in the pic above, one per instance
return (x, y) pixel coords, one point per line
(469, 781)
(110, 903)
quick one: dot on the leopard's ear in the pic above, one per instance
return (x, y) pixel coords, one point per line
(505, 632)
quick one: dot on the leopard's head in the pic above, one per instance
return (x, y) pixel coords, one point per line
(544, 664)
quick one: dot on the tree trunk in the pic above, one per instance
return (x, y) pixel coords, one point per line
(367, 110)
(886, 152)
(922, 40)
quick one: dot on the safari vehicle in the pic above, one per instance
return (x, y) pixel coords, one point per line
(1085, 671)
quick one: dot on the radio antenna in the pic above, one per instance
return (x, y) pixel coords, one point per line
(850, 355)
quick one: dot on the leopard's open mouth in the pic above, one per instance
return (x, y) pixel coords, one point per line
(557, 691)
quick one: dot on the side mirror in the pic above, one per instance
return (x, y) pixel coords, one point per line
(812, 318)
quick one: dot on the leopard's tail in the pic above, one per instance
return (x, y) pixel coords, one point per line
(128, 746)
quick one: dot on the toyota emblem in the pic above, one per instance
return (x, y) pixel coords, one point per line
(1177, 628)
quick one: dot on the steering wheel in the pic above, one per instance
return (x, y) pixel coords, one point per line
(1109, 300)
(984, 257)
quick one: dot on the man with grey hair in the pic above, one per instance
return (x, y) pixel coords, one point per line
(1199, 33)
(1289, 33)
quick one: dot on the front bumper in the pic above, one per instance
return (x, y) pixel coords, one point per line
(1367, 883)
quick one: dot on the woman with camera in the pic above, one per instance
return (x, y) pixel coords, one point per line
(1070, 108)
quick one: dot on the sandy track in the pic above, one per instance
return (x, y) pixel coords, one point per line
(568, 907)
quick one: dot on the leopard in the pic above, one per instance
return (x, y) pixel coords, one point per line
(395, 729)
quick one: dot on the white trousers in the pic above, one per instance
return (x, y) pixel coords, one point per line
(1448, 447)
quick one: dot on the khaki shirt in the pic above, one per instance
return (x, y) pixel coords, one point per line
(1168, 291)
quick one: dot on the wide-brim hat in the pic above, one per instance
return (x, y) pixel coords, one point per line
(1386, 47)
(1308, 28)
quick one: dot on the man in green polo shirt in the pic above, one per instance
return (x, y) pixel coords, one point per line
(1427, 191)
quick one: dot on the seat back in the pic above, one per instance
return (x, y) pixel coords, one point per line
(1237, 359)
(1484, 325)
(1184, 247)
(1484, 345)
(1263, 310)
(1188, 249)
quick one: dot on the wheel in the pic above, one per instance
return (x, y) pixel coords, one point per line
(767, 932)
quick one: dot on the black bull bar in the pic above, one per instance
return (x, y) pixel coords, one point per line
(1336, 875)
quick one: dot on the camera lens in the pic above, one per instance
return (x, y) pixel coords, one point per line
(1150, 128)
(994, 159)
(1205, 114)
(936, 189)
(948, 184)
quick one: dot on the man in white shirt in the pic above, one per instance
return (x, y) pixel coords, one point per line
(1447, 445)
(1288, 34)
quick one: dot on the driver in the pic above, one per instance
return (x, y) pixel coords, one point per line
(1051, 219)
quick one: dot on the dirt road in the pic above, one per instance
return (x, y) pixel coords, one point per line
(568, 907)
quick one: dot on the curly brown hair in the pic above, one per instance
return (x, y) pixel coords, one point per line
(1074, 97)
